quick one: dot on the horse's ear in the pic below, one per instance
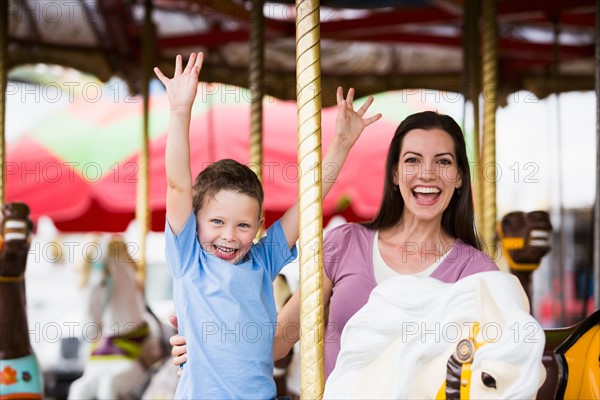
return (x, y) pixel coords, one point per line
(487, 309)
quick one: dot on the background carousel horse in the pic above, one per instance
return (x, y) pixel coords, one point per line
(420, 338)
(525, 240)
(571, 354)
(20, 375)
(129, 339)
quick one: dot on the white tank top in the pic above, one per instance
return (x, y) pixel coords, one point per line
(382, 271)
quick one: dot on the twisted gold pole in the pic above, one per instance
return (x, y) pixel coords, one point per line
(308, 95)
(596, 212)
(3, 84)
(472, 90)
(256, 79)
(142, 211)
(490, 102)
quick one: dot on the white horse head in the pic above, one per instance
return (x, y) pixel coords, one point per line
(420, 338)
(129, 337)
(114, 297)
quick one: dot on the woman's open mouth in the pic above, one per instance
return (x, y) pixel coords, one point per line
(426, 195)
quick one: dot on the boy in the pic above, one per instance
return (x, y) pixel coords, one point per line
(223, 282)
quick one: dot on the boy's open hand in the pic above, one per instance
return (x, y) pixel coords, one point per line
(183, 86)
(350, 123)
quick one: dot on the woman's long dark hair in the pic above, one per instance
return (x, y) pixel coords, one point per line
(458, 219)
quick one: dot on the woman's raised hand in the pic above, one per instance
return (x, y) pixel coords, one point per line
(350, 123)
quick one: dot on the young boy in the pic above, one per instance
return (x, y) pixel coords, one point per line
(223, 282)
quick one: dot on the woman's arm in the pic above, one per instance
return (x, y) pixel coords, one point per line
(286, 334)
(288, 327)
(288, 321)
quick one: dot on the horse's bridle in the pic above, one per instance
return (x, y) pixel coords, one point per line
(458, 369)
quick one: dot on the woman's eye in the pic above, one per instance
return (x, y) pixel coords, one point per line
(411, 160)
(488, 380)
(445, 161)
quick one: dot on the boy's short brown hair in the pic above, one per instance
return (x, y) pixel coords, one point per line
(226, 174)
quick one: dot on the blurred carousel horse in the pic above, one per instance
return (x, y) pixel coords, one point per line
(20, 375)
(420, 338)
(130, 337)
(571, 354)
(525, 240)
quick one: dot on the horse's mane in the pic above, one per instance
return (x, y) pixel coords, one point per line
(420, 318)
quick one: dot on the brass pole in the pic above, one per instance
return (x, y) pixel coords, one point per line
(596, 213)
(560, 249)
(256, 78)
(471, 92)
(3, 84)
(308, 97)
(142, 212)
(490, 103)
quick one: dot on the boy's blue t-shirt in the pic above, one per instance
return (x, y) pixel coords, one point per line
(227, 314)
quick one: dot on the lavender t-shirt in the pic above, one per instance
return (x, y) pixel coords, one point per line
(348, 260)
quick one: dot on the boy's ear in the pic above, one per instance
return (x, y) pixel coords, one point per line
(261, 222)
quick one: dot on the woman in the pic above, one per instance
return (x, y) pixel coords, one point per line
(424, 226)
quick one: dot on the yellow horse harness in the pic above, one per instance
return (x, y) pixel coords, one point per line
(458, 376)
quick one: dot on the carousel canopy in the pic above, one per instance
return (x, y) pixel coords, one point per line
(373, 45)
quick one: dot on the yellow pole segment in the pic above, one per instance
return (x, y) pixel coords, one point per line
(596, 212)
(490, 102)
(308, 96)
(472, 90)
(256, 89)
(142, 212)
(3, 84)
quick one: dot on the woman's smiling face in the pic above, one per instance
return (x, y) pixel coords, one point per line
(427, 174)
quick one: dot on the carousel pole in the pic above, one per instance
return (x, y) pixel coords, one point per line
(3, 84)
(596, 214)
(471, 89)
(308, 97)
(490, 103)
(256, 79)
(560, 208)
(142, 212)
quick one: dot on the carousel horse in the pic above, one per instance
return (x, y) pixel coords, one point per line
(129, 339)
(571, 354)
(572, 360)
(20, 374)
(525, 240)
(421, 338)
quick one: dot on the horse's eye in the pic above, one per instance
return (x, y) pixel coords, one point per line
(488, 380)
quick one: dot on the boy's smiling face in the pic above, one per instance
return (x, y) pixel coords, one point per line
(227, 224)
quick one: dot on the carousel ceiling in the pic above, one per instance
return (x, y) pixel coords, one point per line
(377, 45)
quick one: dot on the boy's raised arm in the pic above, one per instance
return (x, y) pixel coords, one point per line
(181, 90)
(349, 125)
